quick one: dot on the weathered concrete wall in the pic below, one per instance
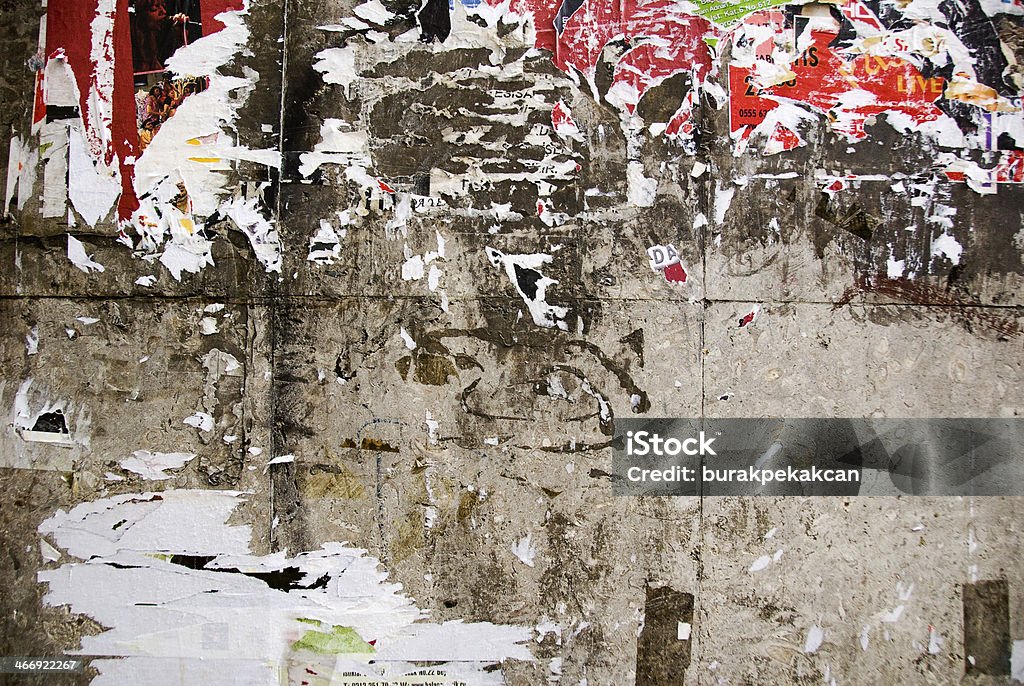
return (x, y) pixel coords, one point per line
(462, 308)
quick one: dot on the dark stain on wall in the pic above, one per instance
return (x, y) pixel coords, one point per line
(661, 657)
(987, 627)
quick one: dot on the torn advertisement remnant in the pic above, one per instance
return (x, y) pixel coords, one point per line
(665, 259)
(177, 590)
(134, 114)
(522, 271)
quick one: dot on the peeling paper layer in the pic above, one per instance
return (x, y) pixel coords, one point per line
(152, 466)
(219, 621)
(532, 285)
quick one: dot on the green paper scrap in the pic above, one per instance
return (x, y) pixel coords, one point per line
(337, 640)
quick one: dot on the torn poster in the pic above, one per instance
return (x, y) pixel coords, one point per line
(177, 590)
(134, 114)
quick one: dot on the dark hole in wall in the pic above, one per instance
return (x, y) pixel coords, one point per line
(661, 657)
(435, 21)
(987, 627)
(527, 280)
(286, 579)
(51, 422)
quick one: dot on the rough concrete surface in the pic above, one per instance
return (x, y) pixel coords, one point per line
(412, 353)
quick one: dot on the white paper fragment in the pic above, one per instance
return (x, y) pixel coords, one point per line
(201, 421)
(15, 159)
(1016, 661)
(208, 326)
(146, 281)
(264, 238)
(187, 251)
(723, 200)
(434, 277)
(78, 256)
(280, 459)
(49, 553)
(413, 269)
(59, 439)
(894, 268)
(32, 341)
(93, 188)
(150, 465)
(325, 246)
(409, 342)
(54, 146)
(432, 427)
(947, 246)
(525, 550)
(815, 636)
(760, 563)
(373, 11)
(934, 641)
(662, 256)
(864, 637)
(683, 631)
